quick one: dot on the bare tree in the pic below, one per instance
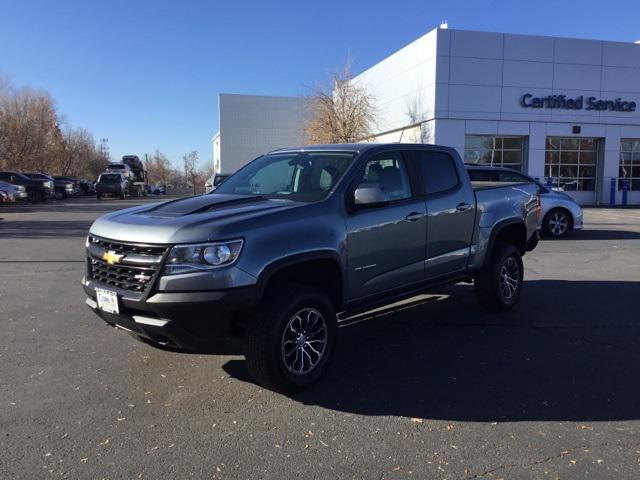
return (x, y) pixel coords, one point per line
(344, 113)
(190, 168)
(159, 169)
(29, 131)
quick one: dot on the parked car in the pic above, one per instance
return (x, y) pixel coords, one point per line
(159, 190)
(560, 213)
(74, 181)
(18, 192)
(87, 187)
(62, 188)
(6, 197)
(298, 235)
(111, 184)
(38, 190)
(214, 180)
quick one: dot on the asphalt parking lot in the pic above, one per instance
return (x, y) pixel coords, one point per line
(435, 388)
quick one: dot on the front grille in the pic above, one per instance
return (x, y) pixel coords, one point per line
(135, 270)
(125, 277)
(128, 248)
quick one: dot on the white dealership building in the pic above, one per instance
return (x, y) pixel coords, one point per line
(251, 125)
(563, 110)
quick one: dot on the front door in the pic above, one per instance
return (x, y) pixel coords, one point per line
(386, 243)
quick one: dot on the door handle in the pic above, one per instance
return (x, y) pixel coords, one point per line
(414, 216)
(461, 207)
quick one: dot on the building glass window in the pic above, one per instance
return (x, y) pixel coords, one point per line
(630, 163)
(571, 163)
(494, 151)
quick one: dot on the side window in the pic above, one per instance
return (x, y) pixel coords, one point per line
(512, 177)
(482, 175)
(389, 172)
(438, 170)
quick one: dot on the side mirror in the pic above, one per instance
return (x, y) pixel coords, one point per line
(370, 196)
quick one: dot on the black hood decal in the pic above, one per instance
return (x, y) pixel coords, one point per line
(199, 204)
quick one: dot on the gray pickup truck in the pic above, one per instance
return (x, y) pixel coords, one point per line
(300, 239)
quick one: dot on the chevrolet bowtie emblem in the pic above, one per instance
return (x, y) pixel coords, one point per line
(111, 257)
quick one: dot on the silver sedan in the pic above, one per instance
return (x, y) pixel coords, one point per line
(560, 212)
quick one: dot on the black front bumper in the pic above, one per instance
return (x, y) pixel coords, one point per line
(186, 320)
(107, 189)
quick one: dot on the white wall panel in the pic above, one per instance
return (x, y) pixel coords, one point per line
(576, 77)
(475, 71)
(528, 47)
(519, 73)
(617, 54)
(476, 44)
(570, 50)
(621, 79)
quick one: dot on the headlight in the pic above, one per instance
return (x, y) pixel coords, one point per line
(202, 256)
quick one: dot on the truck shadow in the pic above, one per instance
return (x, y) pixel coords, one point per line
(589, 234)
(568, 352)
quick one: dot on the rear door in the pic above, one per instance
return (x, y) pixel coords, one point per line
(386, 243)
(450, 212)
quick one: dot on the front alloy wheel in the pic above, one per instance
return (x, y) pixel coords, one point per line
(291, 338)
(557, 223)
(304, 341)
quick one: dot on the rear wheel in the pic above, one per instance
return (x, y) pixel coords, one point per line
(123, 195)
(557, 222)
(499, 284)
(98, 196)
(289, 344)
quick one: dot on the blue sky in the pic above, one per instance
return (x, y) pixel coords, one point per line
(146, 74)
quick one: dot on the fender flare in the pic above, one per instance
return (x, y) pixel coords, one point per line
(280, 264)
(497, 228)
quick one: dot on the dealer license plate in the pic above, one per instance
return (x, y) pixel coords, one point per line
(107, 300)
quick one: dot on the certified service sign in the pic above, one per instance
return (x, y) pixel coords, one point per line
(578, 103)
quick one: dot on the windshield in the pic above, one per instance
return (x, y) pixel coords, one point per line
(298, 176)
(116, 167)
(110, 178)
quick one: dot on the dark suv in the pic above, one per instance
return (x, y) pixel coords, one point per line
(38, 190)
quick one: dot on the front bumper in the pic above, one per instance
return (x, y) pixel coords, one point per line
(187, 320)
(577, 219)
(109, 191)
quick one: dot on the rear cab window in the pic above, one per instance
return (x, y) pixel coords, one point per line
(438, 171)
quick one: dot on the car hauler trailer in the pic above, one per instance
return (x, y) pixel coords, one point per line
(138, 182)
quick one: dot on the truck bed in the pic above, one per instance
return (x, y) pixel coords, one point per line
(486, 185)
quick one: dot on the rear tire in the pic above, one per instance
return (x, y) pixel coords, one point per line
(123, 195)
(98, 196)
(498, 285)
(290, 341)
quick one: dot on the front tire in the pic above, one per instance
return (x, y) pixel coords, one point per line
(289, 344)
(557, 223)
(498, 285)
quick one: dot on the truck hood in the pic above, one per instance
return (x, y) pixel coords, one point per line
(188, 220)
